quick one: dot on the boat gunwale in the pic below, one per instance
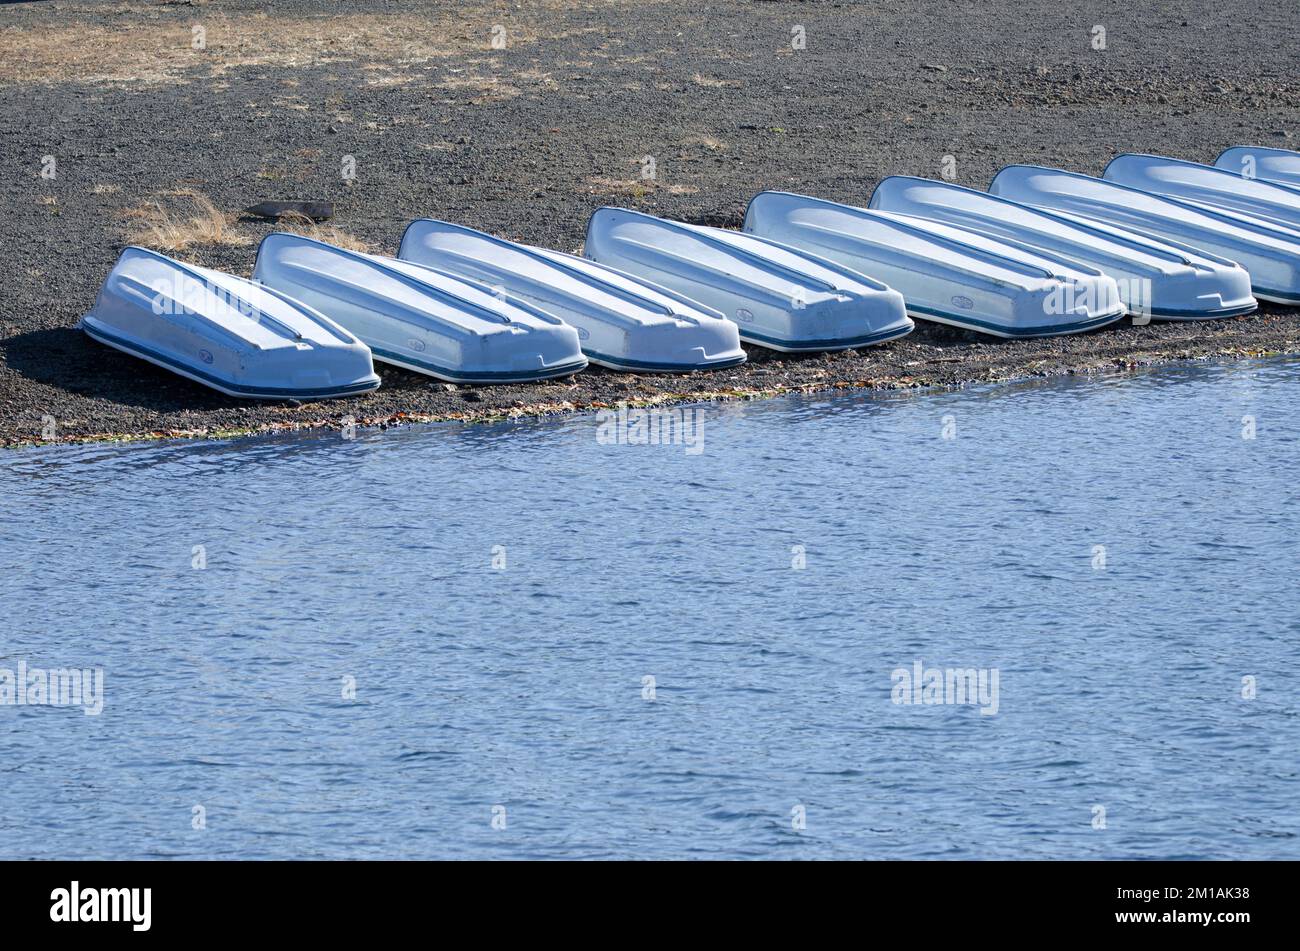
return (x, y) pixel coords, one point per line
(979, 326)
(230, 388)
(487, 377)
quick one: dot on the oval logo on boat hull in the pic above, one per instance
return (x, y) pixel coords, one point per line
(745, 315)
(965, 303)
(416, 345)
(584, 333)
(205, 356)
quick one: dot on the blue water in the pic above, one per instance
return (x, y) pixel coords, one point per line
(520, 693)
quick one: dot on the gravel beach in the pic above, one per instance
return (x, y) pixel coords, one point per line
(116, 116)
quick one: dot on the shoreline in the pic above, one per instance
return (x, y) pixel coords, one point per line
(948, 374)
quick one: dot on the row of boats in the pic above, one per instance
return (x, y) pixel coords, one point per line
(1043, 252)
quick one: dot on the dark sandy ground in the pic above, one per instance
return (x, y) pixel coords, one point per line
(527, 140)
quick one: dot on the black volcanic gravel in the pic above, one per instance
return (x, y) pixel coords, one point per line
(527, 141)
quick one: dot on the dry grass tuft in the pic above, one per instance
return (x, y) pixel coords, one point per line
(626, 187)
(537, 75)
(489, 88)
(636, 187)
(711, 82)
(712, 143)
(168, 229)
(295, 223)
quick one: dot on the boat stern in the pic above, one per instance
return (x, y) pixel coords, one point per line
(677, 344)
(1068, 304)
(842, 320)
(309, 369)
(1205, 292)
(520, 353)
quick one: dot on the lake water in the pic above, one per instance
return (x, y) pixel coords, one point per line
(528, 640)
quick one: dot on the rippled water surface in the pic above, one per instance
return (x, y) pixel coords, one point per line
(521, 693)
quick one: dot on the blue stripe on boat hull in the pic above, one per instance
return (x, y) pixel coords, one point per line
(983, 326)
(1277, 297)
(511, 376)
(618, 363)
(833, 343)
(225, 386)
(1204, 314)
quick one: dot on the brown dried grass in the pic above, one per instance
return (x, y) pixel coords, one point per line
(130, 43)
(295, 223)
(167, 228)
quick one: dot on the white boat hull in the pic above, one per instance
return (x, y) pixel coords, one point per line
(225, 332)
(1270, 165)
(1156, 279)
(1268, 250)
(1207, 185)
(622, 323)
(946, 274)
(779, 297)
(420, 320)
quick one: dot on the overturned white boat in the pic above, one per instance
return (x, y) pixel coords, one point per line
(1156, 278)
(1268, 250)
(779, 297)
(1206, 185)
(225, 332)
(421, 320)
(947, 274)
(1271, 165)
(621, 322)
